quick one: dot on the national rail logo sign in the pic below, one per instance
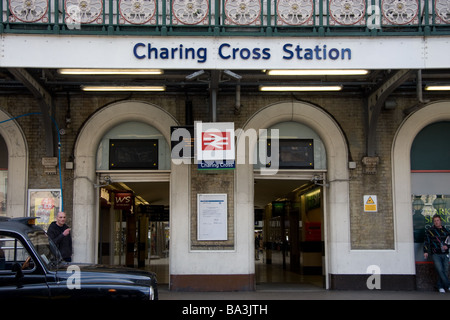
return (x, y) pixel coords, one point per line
(211, 146)
(214, 140)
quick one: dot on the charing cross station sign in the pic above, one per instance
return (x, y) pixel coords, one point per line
(238, 53)
(225, 51)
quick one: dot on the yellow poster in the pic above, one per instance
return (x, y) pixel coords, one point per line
(45, 210)
(44, 204)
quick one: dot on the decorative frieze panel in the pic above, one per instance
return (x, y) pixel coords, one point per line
(84, 11)
(347, 12)
(137, 11)
(28, 10)
(190, 12)
(295, 12)
(342, 14)
(400, 12)
(242, 12)
(442, 8)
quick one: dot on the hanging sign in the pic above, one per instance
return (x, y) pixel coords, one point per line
(214, 140)
(216, 165)
(123, 200)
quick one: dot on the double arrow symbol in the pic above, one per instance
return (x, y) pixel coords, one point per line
(216, 141)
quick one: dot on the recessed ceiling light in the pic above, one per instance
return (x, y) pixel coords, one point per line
(438, 88)
(329, 72)
(300, 88)
(123, 88)
(110, 71)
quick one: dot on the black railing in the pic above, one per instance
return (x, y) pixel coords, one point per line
(228, 17)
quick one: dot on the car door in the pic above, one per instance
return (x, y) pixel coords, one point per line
(21, 275)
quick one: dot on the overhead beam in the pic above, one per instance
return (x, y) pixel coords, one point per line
(375, 104)
(45, 101)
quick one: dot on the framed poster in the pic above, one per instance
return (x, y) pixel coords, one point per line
(44, 204)
(212, 217)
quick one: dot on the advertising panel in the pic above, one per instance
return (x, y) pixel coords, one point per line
(44, 204)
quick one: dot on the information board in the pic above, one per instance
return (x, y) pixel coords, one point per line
(212, 217)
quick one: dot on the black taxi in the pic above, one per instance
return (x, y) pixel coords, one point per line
(31, 267)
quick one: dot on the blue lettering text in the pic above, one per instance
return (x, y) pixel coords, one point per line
(179, 52)
(227, 52)
(316, 53)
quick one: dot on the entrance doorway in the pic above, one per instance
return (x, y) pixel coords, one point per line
(289, 233)
(135, 235)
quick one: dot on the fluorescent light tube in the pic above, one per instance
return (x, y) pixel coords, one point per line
(438, 88)
(110, 71)
(300, 88)
(329, 72)
(123, 88)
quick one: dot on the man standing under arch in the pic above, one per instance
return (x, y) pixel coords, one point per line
(436, 244)
(59, 232)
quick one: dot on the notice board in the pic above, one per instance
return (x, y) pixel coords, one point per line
(212, 217)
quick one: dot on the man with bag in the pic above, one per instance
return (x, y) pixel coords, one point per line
(436, 245)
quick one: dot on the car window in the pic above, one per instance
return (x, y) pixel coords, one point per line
(45, 248)
(13, 253)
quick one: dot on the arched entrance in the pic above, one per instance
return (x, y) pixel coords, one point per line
(336, 195)
(402, 177)
(289, 219)
(17, 185)
(85, 197)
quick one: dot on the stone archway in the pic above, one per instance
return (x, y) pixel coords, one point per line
(401, 173)
(337, 210)
(84, 195)
(17, 166)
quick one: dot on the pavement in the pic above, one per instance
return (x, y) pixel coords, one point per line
(274, 293)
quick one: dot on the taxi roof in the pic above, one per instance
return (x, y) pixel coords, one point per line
(22, 224)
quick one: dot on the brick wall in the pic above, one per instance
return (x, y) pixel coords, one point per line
(368, 230)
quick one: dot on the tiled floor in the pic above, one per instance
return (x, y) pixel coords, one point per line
(266, 275)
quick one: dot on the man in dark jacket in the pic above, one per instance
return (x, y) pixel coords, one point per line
(437, 245)
(59, 232)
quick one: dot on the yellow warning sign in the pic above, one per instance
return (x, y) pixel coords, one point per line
(370, 203)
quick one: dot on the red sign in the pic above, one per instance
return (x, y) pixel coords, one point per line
(48, 203)
(123, 200)
(217, 140)
(313, 231)
(214, 140)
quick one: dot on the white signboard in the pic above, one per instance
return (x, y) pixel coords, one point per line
(234, 53)
(214, 140)
(212, 217)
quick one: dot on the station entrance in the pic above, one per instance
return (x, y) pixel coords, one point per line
(134, 228)
(289, 233)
